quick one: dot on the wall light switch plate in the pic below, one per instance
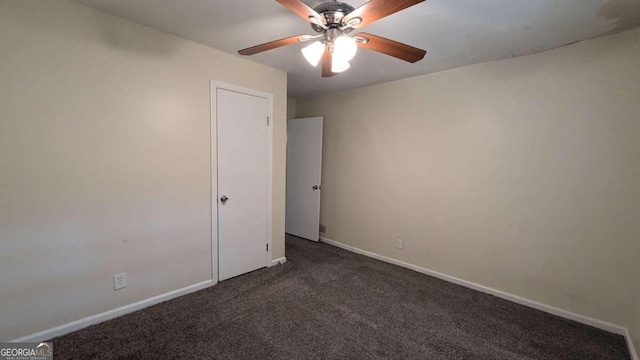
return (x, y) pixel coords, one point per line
(120, 281)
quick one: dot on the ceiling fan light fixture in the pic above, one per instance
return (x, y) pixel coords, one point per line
(333, 21)
(345, 48)
(339, 65)
(313, 52)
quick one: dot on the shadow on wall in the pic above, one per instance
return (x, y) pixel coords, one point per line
(635, 331)
(623, 14)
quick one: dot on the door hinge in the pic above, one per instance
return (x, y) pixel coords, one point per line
(267, 121)
(267, 247)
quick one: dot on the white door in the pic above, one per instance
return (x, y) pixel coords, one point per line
(242, 140)
(304, 165)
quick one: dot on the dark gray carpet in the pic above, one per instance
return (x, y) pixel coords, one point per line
(327, 303)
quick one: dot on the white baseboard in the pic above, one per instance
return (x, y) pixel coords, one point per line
(632, 349)
(616, 329)
(123, 310)
(277, 261)
(108, 315)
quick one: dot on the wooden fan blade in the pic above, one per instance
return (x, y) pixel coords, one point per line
(326, 64)
(392, 48)
(301, 9)
(375, 10)
(270, 45)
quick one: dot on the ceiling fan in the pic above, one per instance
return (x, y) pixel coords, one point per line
(333, 22)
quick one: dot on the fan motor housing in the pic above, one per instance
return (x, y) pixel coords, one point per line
(333, 12)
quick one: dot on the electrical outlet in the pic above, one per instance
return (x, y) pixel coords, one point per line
(323, 228)
(399, 243)
(120, 281)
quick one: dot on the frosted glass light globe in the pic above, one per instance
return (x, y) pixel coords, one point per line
(339, 65)
(345, 47)
(313, 53)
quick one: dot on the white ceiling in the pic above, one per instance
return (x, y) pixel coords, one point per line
(454, 32)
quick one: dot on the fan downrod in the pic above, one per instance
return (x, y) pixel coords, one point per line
(333, 12)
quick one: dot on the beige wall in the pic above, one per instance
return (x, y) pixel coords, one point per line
(635, 329)
(522, 175)
(105, 161)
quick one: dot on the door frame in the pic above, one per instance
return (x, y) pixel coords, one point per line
(213, 152)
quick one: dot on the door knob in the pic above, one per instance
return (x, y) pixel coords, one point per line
(317, 187)
(224, 199)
